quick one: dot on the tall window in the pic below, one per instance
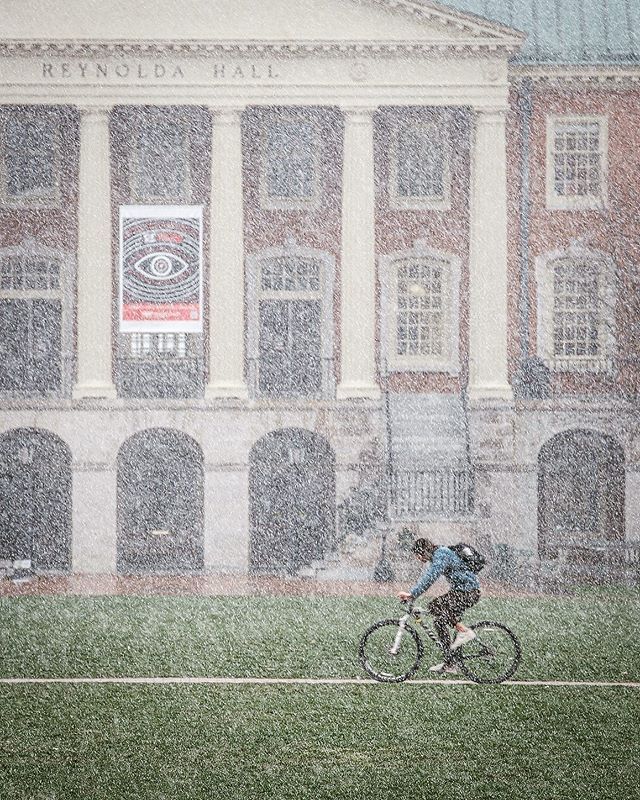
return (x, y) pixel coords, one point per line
(289, 162)
(35, 323)
(420, 310)
(419, 175)
(160, 158)
(576, 162)
(31, 158)
(419, 320)
(576, 311)
(290, 336)
(161, 365)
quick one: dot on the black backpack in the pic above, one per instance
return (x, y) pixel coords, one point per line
(470, 557)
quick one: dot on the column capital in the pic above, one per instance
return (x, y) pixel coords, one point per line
(358, 115)
(96, 112)
(491, 115)
(226, 115)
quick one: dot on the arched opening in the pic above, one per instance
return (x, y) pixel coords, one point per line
(160, 503)
(292, 501)
(581, 486)
(35, 513)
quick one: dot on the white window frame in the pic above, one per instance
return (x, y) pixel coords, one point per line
(255, 294)
(290, 203)
(607, 294)
(135, 189)
(441, 120)
(46, 198)
(30, 248)
(577, 202)
(449, 361)
(170, 346)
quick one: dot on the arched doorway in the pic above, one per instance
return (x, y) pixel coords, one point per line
(160, 503)
(292, 501)
(35, 486)
(580, 493)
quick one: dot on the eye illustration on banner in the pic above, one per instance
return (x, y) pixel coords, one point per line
(161, 267)
(161, 277)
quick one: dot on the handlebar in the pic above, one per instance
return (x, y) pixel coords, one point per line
(411, 607)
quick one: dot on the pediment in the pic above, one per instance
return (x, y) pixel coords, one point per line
(286, 24)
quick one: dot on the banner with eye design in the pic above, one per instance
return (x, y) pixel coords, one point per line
(161, 269)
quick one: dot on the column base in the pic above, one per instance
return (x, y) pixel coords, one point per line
(214, 391)
(350, 391)
(497, 391)
(105, 391)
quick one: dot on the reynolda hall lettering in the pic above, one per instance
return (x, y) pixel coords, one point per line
(138, 70)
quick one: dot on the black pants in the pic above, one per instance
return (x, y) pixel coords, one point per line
(447, 611)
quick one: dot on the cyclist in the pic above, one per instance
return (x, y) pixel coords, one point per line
(447, 609)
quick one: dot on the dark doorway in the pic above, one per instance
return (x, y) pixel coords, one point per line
(580, 493)
(292, 499)
(160, 503)
(31, 334)
(35, 486)
(290, 348)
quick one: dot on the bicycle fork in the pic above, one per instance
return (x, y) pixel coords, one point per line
(398, 638)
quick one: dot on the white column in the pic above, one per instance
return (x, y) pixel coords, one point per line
(226, 538)
(226, 259)
(357, 262)
(94, 524)
(488, 260)
(94, 257)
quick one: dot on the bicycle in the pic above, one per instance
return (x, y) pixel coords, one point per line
(391, 650)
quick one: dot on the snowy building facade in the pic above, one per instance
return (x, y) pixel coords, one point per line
(411, 297)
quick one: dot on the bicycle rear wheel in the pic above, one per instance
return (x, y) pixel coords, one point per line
(493, 656)
(389, 654)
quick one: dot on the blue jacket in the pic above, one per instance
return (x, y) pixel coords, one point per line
(446, 562)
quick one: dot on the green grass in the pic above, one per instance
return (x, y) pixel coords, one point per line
(369, 741)
(578, 638)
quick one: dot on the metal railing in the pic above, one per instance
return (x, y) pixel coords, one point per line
(440, 491)
(160, 377)
(325, 391)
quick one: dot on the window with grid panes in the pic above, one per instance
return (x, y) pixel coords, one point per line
(160, 158)
(576, 310)
(419, 172)
(289, 162)
(577, 162)
(419, 314)
(291, 275)
(31, 158)
(167, 345)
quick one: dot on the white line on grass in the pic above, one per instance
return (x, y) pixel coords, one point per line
(308, 681)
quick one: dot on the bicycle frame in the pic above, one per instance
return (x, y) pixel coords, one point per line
(414, 613)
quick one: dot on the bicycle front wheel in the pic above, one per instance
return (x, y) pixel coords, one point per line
(389, 653)
(493, 656)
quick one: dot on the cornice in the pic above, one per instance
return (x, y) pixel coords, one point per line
(92, 49)
(608, 76)
(451, 17)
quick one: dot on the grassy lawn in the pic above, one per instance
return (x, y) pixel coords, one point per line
(370, 741)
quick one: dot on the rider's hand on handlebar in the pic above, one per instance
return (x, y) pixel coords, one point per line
(405, 596)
